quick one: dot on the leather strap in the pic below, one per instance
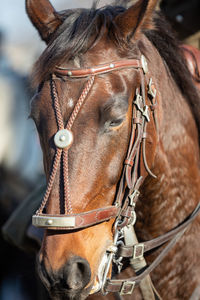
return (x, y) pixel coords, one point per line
(117, 285)
(75, 221)
(127, 251)
(127, 284)
(146, 285)
(105, 68)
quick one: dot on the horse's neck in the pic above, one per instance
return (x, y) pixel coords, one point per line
(177, 152)
(170, 198)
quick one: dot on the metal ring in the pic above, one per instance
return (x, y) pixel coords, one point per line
(144, 64)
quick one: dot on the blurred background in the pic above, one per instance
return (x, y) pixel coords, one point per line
(21, 170)
(22, 44)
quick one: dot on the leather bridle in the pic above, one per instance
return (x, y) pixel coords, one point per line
(69, 221)
(123, 209)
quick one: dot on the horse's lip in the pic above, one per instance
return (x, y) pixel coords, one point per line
(70, 294)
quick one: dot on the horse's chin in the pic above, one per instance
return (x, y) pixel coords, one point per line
(70, 295)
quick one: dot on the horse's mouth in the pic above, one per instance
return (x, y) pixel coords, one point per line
(56, 293)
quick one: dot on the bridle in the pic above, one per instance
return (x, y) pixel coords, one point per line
(63, 140)
(123, 209)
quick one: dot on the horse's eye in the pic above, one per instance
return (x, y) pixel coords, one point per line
(115, 123)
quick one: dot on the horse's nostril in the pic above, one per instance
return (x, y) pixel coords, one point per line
(76, 273)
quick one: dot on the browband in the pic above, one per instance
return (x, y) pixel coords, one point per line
(105, 68)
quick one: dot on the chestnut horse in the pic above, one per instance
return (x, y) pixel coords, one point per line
(118, 118)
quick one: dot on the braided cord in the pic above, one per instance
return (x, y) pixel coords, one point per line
(67, 198)
(80, 103)
(63, 153)
(52, 176)
(68, 204)
(56, 105)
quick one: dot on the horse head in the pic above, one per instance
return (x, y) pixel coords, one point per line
(89, 75)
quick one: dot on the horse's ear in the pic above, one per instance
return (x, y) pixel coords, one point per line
(44, 17)
(136, 18)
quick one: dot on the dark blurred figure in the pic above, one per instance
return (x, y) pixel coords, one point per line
(184, 16)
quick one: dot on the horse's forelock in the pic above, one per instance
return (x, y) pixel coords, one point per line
(79, 30)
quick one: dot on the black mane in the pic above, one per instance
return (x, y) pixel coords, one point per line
(169, 48)
(81, 28)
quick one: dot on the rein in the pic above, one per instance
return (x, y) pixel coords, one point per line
(123, 209)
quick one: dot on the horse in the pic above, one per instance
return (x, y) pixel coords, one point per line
(118, 118)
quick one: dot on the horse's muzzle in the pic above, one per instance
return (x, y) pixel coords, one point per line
(70, 281)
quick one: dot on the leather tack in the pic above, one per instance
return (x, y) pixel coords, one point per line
(137, 121)
(144, 64)
(75, 221)
(101, 69)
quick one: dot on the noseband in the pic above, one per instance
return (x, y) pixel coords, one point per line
(123, 209)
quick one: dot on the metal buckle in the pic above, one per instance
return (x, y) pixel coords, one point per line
(112, 249)
(127, 285)
(144, 64)
(138, 251)
(138, 101)
(133, 218)
(145, 113)
(151, 92)
(134, 195)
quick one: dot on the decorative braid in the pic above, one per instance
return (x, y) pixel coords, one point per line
(63, 152)
(68, 204)
(59, 118)
(67, 198)
(51, 180)
(80, 103)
